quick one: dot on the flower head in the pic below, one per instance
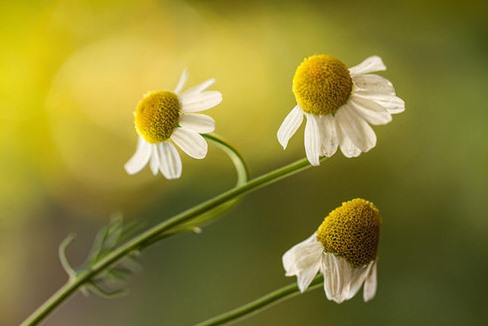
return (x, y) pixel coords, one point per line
(343, 249)
(164, 118)
(340, 104)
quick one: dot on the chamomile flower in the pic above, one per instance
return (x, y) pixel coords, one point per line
(343, 249)
(164, 119)
(339, 104)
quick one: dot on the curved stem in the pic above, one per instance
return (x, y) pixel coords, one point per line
(264, 302)
(236, 158)
(135, 244)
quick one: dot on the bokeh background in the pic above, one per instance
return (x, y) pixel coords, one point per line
(71, 73)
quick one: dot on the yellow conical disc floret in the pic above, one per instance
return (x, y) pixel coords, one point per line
(322, 84)
(352, 231)
(157, 115)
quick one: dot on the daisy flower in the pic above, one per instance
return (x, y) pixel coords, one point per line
(164, 119)
(343, 249)
(340, 104)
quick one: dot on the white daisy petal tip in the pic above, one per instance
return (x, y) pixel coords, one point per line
(289, 126)
(140, 158)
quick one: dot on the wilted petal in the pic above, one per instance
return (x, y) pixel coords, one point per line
(332, 276)
(369, 290)
(341, 281)
(303, 261)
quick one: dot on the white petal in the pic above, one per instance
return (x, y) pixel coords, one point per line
(170, 161)
(182, 81)
(332, 276)
(392, 103)
(356, 128)
(371, 64)
(200, 123)
(356, 279)
(369, 290)
(372, 112)
(200, 101)
(199, 88)
(328, 138)
(346, 145)
(154, 164)
(373, 83)
(190, 142)
(290, 125)
(312, 139)
(341, 281)
(140, 157)
(303, 261)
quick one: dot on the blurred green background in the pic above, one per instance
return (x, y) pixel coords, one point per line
(72, 72)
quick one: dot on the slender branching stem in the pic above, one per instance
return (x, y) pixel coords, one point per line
(158, 231)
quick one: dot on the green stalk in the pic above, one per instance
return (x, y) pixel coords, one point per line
(135, 244)
(262, 303)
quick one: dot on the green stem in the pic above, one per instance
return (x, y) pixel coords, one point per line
(135, 244)
(262, 303)
(236, 158)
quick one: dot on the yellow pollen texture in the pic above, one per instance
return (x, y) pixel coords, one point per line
(322, 84)
(352, 231)
(157, 115)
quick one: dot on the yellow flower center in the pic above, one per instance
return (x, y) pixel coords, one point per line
(352, 231)
(157, 115)
(322, 84)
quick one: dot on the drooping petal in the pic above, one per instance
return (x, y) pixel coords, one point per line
(370, 111)
(200, 123)
(355, 280)
(373, 83)
(392, 103)
(182, 81)
(328, 138)
(154, 164)
(199, 88)
(356, 128)
(369, 290)
(290, 125)
(200, 101)
(341, 281)
(346, 145)
(303, 261)
(371, 64)
(332, 276)
(170, 160)
(140, 157)
(312, 140)
(190, 142)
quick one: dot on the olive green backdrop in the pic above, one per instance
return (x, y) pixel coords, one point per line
(72, 72)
